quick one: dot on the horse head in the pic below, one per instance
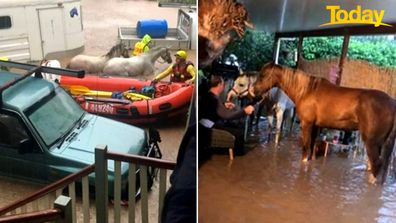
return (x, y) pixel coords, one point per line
(155, 53)
(243, 85)
(266, 79)
(166, 56)
(118, 50)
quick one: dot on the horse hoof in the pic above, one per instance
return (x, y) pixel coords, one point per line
(372, 179)
(368, 166)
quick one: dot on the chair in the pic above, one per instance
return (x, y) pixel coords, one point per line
(223, 139)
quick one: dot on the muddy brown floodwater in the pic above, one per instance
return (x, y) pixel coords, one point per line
(273, 186)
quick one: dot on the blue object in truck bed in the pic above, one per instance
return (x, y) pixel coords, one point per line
(154, 28)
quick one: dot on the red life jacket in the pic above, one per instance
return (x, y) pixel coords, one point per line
(180, 73)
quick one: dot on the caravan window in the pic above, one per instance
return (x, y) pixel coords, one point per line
(5, 22)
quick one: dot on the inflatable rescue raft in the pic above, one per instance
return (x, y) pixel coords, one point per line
(129, 100)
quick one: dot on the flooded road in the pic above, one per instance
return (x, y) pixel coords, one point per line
(273, 185)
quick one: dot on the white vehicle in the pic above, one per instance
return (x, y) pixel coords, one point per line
(31, 29)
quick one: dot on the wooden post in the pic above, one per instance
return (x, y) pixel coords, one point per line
(65, 204)
(143, 191)
(117, 191)
(101, 184)
(162, 192)
(85, 199)
(299, 50)
(131, 192)
(342, 58)
(72, 195)
(276, 49)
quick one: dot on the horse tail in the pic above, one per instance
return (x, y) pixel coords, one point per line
(387, 148)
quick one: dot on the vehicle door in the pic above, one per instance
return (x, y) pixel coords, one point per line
(20, 155)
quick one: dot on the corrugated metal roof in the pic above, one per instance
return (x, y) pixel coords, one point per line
(299, 15)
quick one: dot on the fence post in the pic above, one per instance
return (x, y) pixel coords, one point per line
(64, 203)
(101, 184)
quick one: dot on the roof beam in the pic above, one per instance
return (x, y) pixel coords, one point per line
(341, 31)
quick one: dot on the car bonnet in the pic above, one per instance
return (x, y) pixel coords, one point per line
(118, 137)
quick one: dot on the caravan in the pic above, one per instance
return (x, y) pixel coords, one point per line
(31, 29)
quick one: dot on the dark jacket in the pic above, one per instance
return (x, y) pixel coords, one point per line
(180, 200)
(210, 107)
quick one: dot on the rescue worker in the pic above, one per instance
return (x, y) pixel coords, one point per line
(181, 71)
(142, 46)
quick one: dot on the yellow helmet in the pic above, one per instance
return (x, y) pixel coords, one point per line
(181, 54)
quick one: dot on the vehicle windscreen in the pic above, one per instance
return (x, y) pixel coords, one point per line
(55, 116)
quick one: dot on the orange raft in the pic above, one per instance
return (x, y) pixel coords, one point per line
(170, 99)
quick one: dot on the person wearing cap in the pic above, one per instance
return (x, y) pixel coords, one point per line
(142, 46)
(181, 71)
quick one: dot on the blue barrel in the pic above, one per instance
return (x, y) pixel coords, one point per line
(152, 27)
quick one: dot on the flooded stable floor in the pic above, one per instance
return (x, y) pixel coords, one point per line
(273, 185)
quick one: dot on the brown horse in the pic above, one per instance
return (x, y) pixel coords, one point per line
(320, 103)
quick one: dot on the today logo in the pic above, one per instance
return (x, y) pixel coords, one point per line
(356, 16)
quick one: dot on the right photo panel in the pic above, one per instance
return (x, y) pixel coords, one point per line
(296, 111)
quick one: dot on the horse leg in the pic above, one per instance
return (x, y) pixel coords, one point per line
(306, 130)
(292, 119)
(314, 134)
(279, 120)
(386, 152)
(270, 119)
(258, 114)
(374, 162)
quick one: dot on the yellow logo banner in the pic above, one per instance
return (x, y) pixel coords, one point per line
(356, 16)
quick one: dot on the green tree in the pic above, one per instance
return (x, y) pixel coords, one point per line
(253, 50)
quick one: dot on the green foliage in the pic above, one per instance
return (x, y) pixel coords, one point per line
(256, 49)
(287, 52)
(321, 47)
(380, 51)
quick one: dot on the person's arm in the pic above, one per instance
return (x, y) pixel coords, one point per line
(164, 74)
(191, 71)
(226, 114)
(146, 48)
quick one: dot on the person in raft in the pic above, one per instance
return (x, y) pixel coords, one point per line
(181, 71)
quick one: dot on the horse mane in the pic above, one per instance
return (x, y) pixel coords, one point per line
(154, 49)
(251, 73)
(119, 46)
(298, 80)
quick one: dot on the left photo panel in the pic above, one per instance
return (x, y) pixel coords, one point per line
(98, 111)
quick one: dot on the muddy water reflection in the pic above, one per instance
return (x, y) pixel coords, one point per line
(273, 185)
